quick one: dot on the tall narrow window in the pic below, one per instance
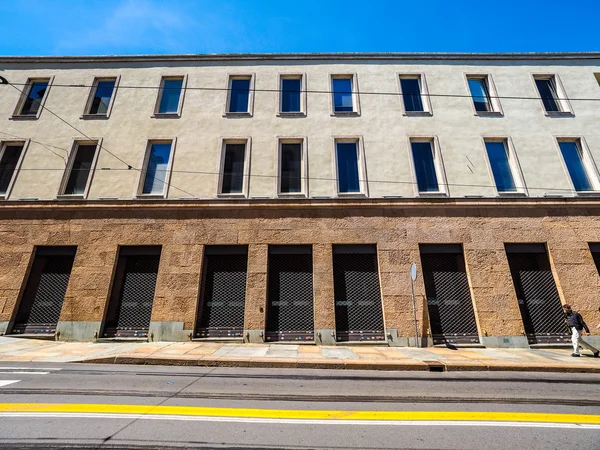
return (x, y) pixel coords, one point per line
(156, 169)
(34, 97)
(551, 93)
(501, 169)
(574, 158)
(411, 94)
(232, 177)
(291, 98)
(239, 95)
(170, 95)
(101, 97)
(342, 94)
(425, 166)
(290, 168)
(9, 162)
(81, 165)
(348, 167)
(480, 93)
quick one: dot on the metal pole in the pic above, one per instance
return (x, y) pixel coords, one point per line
(412, 288)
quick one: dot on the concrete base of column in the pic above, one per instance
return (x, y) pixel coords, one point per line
(254, 336)
(3, 327)
(168, 332)
(406, 341)
(77, 331)
(325, 337)
(504, 341)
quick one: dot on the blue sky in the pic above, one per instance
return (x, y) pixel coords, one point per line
(73, 27)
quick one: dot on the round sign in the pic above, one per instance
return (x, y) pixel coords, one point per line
(413, 271)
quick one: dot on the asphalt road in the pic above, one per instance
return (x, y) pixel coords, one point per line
(105, 406)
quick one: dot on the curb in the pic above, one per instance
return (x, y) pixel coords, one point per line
(341, 364)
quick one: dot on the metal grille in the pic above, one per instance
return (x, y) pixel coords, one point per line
(538, 297)
(358, 310)
(451, 313)
(44, 294)
(290, 314)
(131, 308)
(223, 296)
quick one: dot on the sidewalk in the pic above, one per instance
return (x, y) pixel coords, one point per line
(216, 354)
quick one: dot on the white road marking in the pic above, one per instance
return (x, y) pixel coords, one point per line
(464, 423)
(25, 373)
(7, 382)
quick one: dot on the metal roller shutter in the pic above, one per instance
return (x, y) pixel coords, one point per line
(290, 309)
(358, 309)
(539, 302)
(449, 302)
(223, 297)
(40, 307)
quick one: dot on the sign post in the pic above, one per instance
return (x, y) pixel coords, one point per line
(413, 277)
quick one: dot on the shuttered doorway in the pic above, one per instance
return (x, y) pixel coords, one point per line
(223, 292)
(358, 309)
(290, 308)
(539, 302)
(130, 305)
(41, 304)
(449, 302)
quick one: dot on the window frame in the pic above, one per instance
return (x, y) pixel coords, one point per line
(562, 100)
(17, 115)
(294, 76)
(163, 78)
(71, 160)
(247, 140)
(492, 91)
(240, 76)
(514, 164)
(440, 171)
(3, 145)
(90, 99)
(302, 140)
(363, 182)
(355, 95)
(425, 98)
(144, 164)
(587, 160)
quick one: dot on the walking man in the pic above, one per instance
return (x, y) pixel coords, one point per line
(576, 323)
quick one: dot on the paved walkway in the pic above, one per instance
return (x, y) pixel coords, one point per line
(297, 356)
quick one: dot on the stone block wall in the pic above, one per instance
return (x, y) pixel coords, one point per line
(397, 228)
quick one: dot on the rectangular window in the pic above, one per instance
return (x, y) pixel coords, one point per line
(81, 164)
(170, 95)
(155, 177)
(102, 93)
(411, 94)
(552, 94)
(10, 159)
(291, 167)
(291, 98)
(33, 99)
(342, 87)
(480, 93)
(427, 166)
(579, 165)
(498, 157)
(348, 172)
(233, 165)
(239, 95)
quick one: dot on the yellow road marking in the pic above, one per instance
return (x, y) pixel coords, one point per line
(299, 414)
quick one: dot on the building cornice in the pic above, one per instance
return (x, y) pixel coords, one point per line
(232, 57)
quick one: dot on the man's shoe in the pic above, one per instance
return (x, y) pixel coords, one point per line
(596, 353)
(575, 355)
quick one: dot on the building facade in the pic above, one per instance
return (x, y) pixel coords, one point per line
(284, 198)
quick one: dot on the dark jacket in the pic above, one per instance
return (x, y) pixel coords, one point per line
(574, 319)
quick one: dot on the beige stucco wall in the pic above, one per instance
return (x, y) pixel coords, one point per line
(381, 124)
